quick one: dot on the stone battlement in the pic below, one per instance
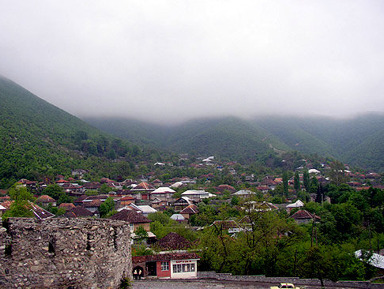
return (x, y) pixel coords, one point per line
(64, 253)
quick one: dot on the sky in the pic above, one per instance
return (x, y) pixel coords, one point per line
(170, 61)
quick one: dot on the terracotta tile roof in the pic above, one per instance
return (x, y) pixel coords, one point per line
(80, 199)
(226, 224)
(143, 186)
(222, 188)
(93, 203)
(67, 206)
(97, 197)
(6, 198)
(127, 198)
(7, 204)
(92, 185)
(40, 213)
(45, 199)
(173, 241)
(183, 201)
(130, 216)
(191, 209)
(304, 215)
(78, 212)
(106, 180)
(245, 220)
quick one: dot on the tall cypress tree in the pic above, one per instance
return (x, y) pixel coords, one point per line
(285, 183)
(306, 180)
(297, 181)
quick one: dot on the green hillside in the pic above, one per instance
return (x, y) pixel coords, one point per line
(40, 140)
(136, 131)
(230, 138)
(355, 141)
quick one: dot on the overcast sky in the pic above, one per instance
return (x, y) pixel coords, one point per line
(175, 60)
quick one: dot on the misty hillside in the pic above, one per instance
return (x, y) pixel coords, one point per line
(38, 139)
(356, 141)
(230, 138)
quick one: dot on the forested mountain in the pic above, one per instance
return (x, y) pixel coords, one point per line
(229, 138)
(356, 141)
(39, 140)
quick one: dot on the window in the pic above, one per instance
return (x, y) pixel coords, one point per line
(179, 268)
(164, 266)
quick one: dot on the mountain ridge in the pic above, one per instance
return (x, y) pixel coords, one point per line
(39, 140)
(356, 141)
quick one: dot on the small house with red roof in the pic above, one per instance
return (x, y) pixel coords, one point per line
(134, 218)
(172, 265)
(40, 213)
(304, 217)
(45, 200)
(61, 182)
(126, 200)
(222, 188)
(156, 203)
(189, 211)
(93, 206)
(171, 242)
(78, 212)
(143, 190)
(157, 183)
(67, 206)
(227, 225)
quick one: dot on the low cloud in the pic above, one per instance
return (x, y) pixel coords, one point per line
(174, 60)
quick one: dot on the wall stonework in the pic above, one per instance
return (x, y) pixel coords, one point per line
(64, 253)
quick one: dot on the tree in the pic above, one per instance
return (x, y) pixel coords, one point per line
(54, 191)
(104, 189)
(320, 194)
(20, 194)
(314, 185)
(337, 173)
(111, 154)
(21, 206)
(158, 229)
(306, 180)
(318, 264)
(141, 233)
(160, 217)
(106, 207)
(235, 201)
(297, 181)
(285, 183)
(19, 209)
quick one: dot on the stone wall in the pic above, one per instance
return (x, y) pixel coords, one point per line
(294, 280)
(64, 253)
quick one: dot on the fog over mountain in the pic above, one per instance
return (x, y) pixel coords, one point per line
(169, 61)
